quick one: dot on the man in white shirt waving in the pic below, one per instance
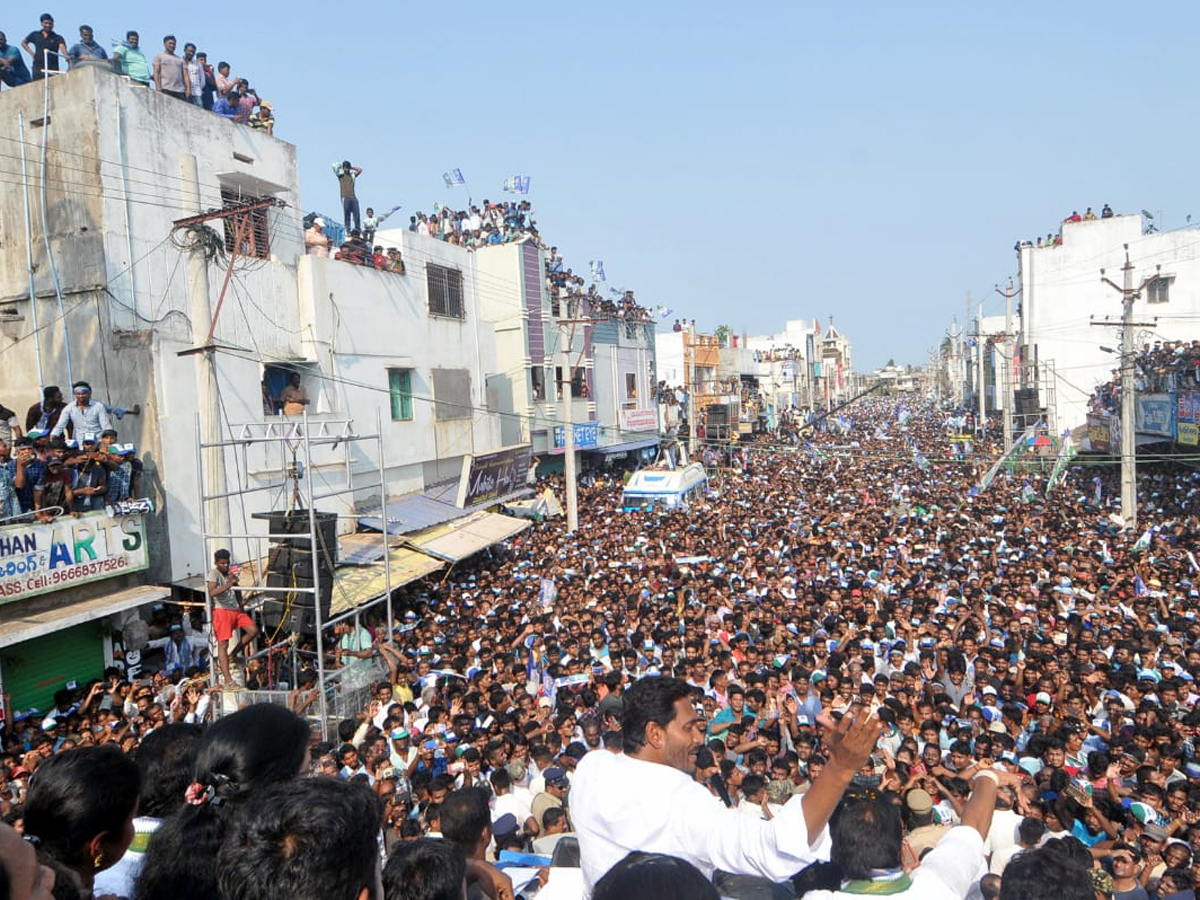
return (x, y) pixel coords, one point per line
(646, 799)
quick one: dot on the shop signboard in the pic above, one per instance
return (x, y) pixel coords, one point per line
(1187, 418)
(638, 419)
(488, 477)
(1154, 414)
(587, 434)
(38, 558)
(1099, 433)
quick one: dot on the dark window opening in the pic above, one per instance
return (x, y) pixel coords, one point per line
(256, 226)
(445, 291)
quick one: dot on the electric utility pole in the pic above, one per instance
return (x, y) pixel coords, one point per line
(1128, 391)
(981, 422)
(202, 253)
(1009, 355)
(566, 381)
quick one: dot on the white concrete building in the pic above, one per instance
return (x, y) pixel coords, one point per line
(782, 363)
(611, 362)
(1062, 295)
(121, 301)
(512, 293)
(624, 373)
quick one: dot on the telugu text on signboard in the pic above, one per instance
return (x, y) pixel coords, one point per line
(1187, 415)
(37, 559)
(1099, 433)
(1154, 414)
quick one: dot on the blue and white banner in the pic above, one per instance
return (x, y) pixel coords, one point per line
(1154, 414)
(517, 184)
(453, 177)
(664, 311)
(597, 268)
(587, 434)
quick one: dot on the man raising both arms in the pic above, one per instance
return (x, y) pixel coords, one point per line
(647, 799)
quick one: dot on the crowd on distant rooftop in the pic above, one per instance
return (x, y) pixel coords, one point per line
(189, 77)
(1054, 239)
(568, 294)
(1159, 368)
(494, 223)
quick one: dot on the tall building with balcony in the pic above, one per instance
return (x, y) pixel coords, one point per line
(201, 325)
(1061, 358)
(540, 334)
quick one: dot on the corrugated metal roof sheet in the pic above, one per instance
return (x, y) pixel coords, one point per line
(457, 540)
(416, 512)
(412, 512)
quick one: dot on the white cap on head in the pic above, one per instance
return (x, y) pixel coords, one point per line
(320, 223)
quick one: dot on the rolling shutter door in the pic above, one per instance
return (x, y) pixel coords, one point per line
(34, 670)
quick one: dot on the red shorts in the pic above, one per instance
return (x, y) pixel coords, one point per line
(225, 620)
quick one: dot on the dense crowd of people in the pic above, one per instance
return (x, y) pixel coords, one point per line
(1159, 367)
(67, 459)
(844, 666)
(474, 227)
(189, 77)
(489, 225)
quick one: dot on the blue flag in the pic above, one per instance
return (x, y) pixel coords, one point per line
(453, 177)
(517, 184)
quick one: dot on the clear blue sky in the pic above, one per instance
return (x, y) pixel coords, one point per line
(740, 163)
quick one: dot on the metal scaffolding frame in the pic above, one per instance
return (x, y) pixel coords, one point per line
(295, 437)
(1040, 377)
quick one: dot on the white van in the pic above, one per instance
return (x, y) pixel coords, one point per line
(661, 486)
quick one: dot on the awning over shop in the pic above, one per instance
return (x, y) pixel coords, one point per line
(1145, 440)
(355, 585)
(19, 627)
(455, 541)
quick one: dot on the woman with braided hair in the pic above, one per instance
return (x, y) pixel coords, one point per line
(238, 757)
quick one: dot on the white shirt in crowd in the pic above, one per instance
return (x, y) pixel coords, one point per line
(517, 801)
(946, 873)
(620, 804)
(1003, 833)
